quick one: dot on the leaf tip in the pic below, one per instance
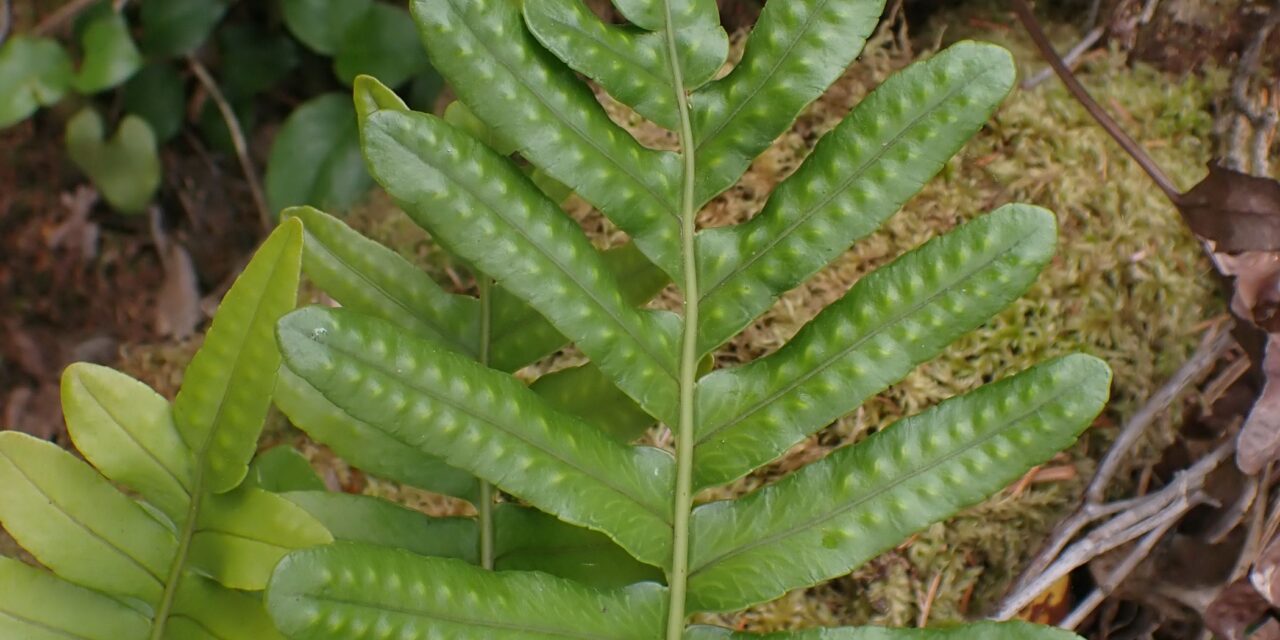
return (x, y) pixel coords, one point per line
(372, 96)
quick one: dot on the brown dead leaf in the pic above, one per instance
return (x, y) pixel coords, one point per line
(1265, 575)
(1235, 210)
(1237, 608)
(1259, 441)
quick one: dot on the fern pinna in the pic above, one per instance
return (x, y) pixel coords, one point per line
(413, 383)
(176, 556)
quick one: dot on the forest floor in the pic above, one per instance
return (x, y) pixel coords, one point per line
(1130, 284)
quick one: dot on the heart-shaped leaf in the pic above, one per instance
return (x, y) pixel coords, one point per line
(382, 43)
(34, 72)
(125, 168)
(322, 24)
(176, 27)
(110, 56)
(156, 95)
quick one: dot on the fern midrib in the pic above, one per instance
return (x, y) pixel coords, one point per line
(678, 579)
(484, 508)
(828, 515)
(879, 329)
(107, 409)
(201, 467)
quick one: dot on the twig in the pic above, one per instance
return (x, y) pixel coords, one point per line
(1212, 346)
(64, 14)
(1264, 119)
(1093, 509)
(1070, 59)
(1023, 10)
(1109, 584)
(1137, 518)
(237, 139)
(927, 607)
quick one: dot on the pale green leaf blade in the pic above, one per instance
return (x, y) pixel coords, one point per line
(241, 535)
(797, 49)
(529, 540)
(227, 388)
(485, 422)
(125, 429)
(39, 606)
(205, 610)
(366, 447)
(585, 392)
(34, 72)
(975, 631)
(74, 522)
(890, 321)
(375, 521)
(283, 468)
(833, 515)
(479, 206)
(365, 276)
(125, 168)
(110, 55)
(859, 174)
(315, 159)
(527, 96)
(330, 593)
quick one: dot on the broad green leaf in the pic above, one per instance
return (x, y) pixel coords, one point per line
(36, 603)
(862, 172)
(365, 276)
(255, 58)
(74, 522)
(796, 50)
(178, 27)
(831, 516)
(587, 393)
(110, 56)
(975, 631)
(458, 115)
(34, 72)
(315, 158)
(527, 96)
(227, 388)
(632, 65)
(366, 447)
(485, 422)
(126, 430)
(322, 24)
(333, 593)
(529, 540)
(890, 321)
(156, 95)
(241, 535)
(205, 610)
(283, 468)
(479, 206)
(374, 521)
(126, 168)
(380, 43)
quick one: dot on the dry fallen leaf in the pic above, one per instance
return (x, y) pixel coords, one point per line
(1235, 210)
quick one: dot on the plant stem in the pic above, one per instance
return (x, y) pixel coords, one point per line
(678, 578)
(485, 506)
(1081, 94)
(188, 532)
(237, 140)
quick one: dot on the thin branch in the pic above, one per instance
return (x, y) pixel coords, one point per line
(6, 19)
(1023, 10)
(1141, 517)
(237, 139)
(63, 15)
(1070, 59)
(1109, 584)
